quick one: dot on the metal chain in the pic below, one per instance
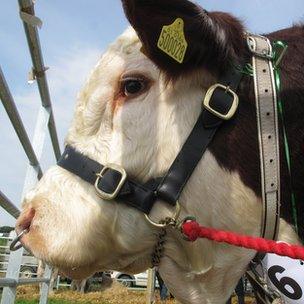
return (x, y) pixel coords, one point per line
(159, 248)
(158, 251)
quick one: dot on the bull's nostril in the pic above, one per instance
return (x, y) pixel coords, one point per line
(25, 220)
(23, 226)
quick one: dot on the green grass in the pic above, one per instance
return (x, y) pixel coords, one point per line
(52, 301)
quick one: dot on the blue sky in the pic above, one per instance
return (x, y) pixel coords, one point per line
(73, 36)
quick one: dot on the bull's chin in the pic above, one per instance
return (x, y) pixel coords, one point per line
(83, 272)
(132, 266)
(78, 273)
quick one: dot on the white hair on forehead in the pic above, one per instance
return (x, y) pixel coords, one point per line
(104, 77)
(126, 42)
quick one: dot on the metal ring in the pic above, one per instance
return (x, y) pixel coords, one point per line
(163, 223)
(13, 245)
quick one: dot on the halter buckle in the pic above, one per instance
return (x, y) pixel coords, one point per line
(110, 196)
(233, 108)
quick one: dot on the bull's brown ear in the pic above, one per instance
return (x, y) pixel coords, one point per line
(212, 40)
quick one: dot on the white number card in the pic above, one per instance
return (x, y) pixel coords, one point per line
(286, 275)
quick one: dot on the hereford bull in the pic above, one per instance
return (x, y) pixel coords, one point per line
(136, 110)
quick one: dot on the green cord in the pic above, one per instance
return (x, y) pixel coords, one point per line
(280, 49)
(246, 69)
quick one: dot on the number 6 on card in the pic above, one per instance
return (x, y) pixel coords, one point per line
(286, 275)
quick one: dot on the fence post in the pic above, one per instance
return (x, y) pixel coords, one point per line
(31, 32)
(44, 289)
(33, 151)
(9, 293)
(151, 286)
(12, 272)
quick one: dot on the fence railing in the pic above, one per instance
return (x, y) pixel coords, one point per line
(29, 264)
(45, 123)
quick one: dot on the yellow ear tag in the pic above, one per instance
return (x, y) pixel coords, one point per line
(172, 40)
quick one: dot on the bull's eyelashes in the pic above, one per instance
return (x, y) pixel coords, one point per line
(133, 86)
(130, 86)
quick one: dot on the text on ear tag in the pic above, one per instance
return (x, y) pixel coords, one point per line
(172, 40)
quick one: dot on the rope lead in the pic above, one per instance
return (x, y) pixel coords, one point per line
(192, 230)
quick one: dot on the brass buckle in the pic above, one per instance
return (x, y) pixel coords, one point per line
(105, 195)
(234, 105)
(168, 221)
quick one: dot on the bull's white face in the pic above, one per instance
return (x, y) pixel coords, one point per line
(130, 115)
(127, 114)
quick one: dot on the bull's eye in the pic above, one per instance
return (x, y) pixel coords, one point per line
(131, 87)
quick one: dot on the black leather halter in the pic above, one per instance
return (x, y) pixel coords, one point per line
(111, 181)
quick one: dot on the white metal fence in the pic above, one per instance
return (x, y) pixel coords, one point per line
(29, 264)
(45, 123)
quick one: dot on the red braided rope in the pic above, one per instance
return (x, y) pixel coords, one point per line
(193, 230)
